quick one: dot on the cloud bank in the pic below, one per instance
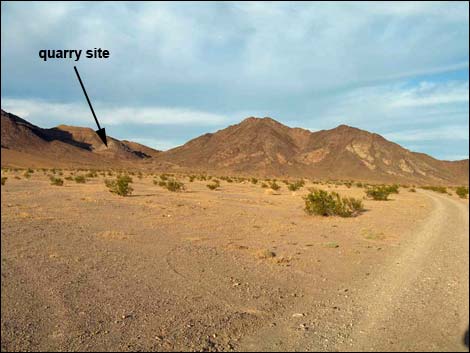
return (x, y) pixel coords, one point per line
(397, 69)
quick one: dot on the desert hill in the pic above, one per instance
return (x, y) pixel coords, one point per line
(256, 146)
(24, 144)
(263, 146)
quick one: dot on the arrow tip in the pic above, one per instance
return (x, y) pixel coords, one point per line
(102, 134)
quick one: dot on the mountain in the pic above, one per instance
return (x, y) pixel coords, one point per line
(264, 147)
(25, 144)
(254, 147)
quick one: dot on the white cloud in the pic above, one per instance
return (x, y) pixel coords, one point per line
(448, 132)
(46, 113)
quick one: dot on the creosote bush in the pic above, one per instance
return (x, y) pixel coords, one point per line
(170, 184)
(254, 181)
(4, 180)
(214, 185)
(80, 179)
(56, 181)
(91, 174)
(439, 189)
(120, 185)
(273, 185)
(324, 203)
(296, 186)
(378, 192)
(461, 191)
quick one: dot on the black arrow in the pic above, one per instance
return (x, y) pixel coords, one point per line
(101, 131)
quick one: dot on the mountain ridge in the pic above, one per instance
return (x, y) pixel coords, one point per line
(255, 146)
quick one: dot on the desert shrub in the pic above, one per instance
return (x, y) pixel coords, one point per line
(56, 181)
(273, 185)
(359, 185)
(164, 177)
(439, 189)
(348, 184)
(69, 178)
(213, 186)
(264, 185)
(80, 179)
(461, 191)
(120, 185)
(126, 178)
(324, 203)
(91, 174)
(254, 181)
(27, 175)
(139, 175)
(174, 185)
(412, 190)
(4, 180)
(392, 189)
(170, 184)
(296, 186)
(227, 179)
(378, 193)
(191, 178)
(30, 171)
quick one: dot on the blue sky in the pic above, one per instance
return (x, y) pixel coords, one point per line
(178, 70)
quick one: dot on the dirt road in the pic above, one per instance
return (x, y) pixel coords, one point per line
(421, 301)
(418, 301)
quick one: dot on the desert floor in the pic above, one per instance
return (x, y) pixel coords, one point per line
(84, 269)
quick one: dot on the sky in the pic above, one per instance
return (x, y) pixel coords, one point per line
(179, 70)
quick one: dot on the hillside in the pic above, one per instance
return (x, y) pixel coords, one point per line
(24, 144)
(263, 146)
(256, 146)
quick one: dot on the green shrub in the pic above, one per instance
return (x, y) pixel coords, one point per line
(30, 171)
(27, 175)
(69, 178)
(323, 203)
(191, 178)
(392, 189)
(174, 185)
(412, 190)
(296, 186)
(80, 179)
(120, 185)
(264, 185)
(378, 193)
(439, 189)
(171, 184)
(254, 181)
(462, 191)
(56, 181)
(164, 177)
(213, 186)
(91, 174)
(4, 180)
(273, 185)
